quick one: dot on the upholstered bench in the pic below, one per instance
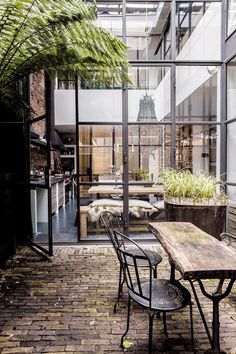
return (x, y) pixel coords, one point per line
(138, 208)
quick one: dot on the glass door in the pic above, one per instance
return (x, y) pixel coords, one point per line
(40, 185)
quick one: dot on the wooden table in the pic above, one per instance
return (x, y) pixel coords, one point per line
(197, 256)
(133, 190)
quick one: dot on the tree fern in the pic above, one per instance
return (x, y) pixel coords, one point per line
(51, 34)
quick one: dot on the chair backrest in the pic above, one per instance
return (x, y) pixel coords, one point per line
(111, 222)
(130, 255)
(231, 218)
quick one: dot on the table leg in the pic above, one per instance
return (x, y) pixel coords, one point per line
(215, 298)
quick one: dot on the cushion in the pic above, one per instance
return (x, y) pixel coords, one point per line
(136, 207)
(160, 205)
(106, 202)
(119, 203)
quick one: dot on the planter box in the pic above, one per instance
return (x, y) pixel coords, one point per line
(209, 218)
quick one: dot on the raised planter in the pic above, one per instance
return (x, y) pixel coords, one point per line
(207, 215)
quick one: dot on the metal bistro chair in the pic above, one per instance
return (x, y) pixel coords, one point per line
(112, 222)
(156, 296)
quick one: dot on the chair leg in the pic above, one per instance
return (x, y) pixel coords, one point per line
(165, 325)
(191, 324)
(150, 332)
(120, 288)
(127, 326)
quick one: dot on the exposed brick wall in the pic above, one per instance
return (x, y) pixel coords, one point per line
(38, 158)
(37, 93)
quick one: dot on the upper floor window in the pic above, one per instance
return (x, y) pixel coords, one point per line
(231, 23)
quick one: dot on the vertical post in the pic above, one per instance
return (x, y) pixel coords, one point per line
(125, 138)
(77, 155)
(173, 84)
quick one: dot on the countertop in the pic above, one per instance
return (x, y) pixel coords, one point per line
(40, 182)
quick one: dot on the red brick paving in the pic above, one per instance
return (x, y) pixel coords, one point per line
(65, 305)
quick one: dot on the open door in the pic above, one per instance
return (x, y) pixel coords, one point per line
(40, 185)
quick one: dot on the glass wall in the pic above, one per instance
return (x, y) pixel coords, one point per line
(170, 116)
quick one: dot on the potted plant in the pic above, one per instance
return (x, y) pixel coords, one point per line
(196, 198)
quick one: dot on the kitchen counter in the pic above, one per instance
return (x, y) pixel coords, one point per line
(39, 199)
(40, 182)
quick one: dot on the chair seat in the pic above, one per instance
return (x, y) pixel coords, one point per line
(166, 296)
(154, 257)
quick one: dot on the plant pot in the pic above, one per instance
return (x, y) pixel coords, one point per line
(209, 218)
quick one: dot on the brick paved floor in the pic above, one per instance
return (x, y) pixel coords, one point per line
(65, 305)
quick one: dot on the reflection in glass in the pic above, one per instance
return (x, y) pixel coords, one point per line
(231, 114)
(152, 83)
(149, 151)
(197, 93)
(100, 157)
(193, 41)
(144, 23)
(109, 16)
(196, 148)
(231, 89)
(231, 148)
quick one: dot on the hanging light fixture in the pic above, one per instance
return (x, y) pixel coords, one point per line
(146, 109)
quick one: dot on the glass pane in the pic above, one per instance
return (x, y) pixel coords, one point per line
(231, 192)
(193, 41)
(146, 22)
(39, 193)
(109, 16)
(94, 200)
(39, 212)
(100, 153)
(149, 151)
(196, 148)
(231, 89)
(231, 16)
(149, 98)
(99, 105)
(197, 93)
(231, 148)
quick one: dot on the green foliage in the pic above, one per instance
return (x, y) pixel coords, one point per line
(142, 175)
(184, 184)
(56, 34)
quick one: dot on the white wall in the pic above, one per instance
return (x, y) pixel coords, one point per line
(64, 107)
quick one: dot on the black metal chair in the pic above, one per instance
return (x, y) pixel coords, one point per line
(156, 296)
(113, 222)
